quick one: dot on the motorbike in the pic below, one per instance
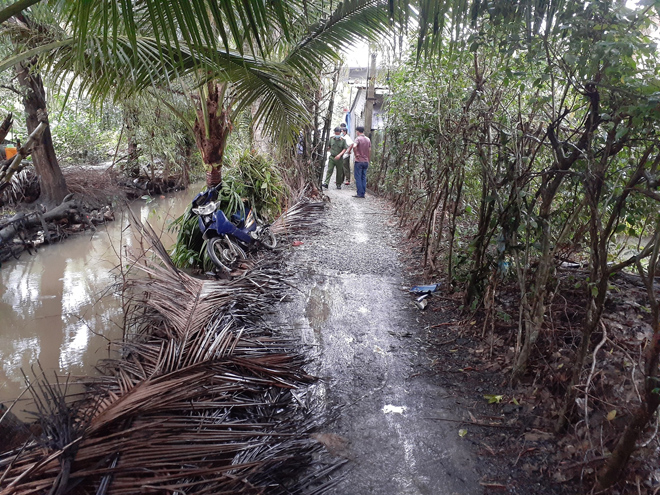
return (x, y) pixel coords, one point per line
(228, 240)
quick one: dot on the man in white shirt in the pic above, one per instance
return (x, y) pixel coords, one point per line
(347, 156)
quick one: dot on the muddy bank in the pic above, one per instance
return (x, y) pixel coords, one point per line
(354, 313)
(95, 190)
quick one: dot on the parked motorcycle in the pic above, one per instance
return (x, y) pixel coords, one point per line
(228, 240)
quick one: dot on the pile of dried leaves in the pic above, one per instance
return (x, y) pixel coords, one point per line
(204, 399)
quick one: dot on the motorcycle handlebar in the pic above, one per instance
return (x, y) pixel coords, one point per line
(211, 194)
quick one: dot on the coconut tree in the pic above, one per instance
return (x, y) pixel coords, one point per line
(234, 54)
(278, 44)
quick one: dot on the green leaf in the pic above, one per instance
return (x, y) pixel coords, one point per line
(494, 399)
(621, 131)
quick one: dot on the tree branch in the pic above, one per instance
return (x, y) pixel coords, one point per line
(10, 88)
(15, 8)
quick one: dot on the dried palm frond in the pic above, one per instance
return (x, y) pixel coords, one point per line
(23, 185)
(96, 185)
(200, 401)
(305, 215)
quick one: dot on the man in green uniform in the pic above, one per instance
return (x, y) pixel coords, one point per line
(337, 148)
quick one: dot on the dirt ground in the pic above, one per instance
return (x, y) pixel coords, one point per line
(420, 405)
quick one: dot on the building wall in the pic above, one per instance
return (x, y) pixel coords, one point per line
(357, 112)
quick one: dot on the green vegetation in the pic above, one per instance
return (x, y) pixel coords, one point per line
(521, 134)
(515, 149)
(253, 178)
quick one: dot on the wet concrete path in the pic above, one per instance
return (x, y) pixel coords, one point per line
(354, 311)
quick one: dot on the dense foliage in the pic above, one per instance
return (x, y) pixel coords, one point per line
(510, 153)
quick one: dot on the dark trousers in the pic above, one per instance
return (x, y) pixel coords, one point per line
(360, 174)
(347, 169)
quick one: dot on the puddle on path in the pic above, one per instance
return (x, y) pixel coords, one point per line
(317, 309)
(58, 306)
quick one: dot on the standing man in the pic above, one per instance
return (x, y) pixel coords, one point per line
(362, 147)
(337, 149)
(347, 155)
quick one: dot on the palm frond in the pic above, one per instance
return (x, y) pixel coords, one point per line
(240, 25)
(196, 405)
(353, 21)
(141, 65)
(123, 67)
(304, 215)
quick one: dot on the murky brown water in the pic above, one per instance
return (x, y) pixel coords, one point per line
(57, 307)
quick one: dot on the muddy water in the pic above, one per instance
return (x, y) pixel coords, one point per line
(58, 308)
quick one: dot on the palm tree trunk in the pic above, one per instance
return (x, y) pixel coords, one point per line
(212, 129)
(52, 183)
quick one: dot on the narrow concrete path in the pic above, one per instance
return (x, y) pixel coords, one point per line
(352, 309)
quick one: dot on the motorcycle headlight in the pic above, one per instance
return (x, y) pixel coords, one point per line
(205, 210)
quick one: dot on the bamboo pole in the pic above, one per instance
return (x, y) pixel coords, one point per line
(16, 165)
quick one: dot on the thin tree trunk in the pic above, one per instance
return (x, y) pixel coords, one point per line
(549, 189)
(534, 320)
(452, 226)
(611, 472)
(480, 242)
(132, 167)
(371, 96)
(328, 122)
(6, 125)
(641, 418)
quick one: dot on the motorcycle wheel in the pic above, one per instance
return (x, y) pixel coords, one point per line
(268, 239)
(224, 253)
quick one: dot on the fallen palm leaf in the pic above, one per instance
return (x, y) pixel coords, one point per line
(200, 400)
(303, 216)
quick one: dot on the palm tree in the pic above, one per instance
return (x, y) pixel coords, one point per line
(234, 53)
(239, 52)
